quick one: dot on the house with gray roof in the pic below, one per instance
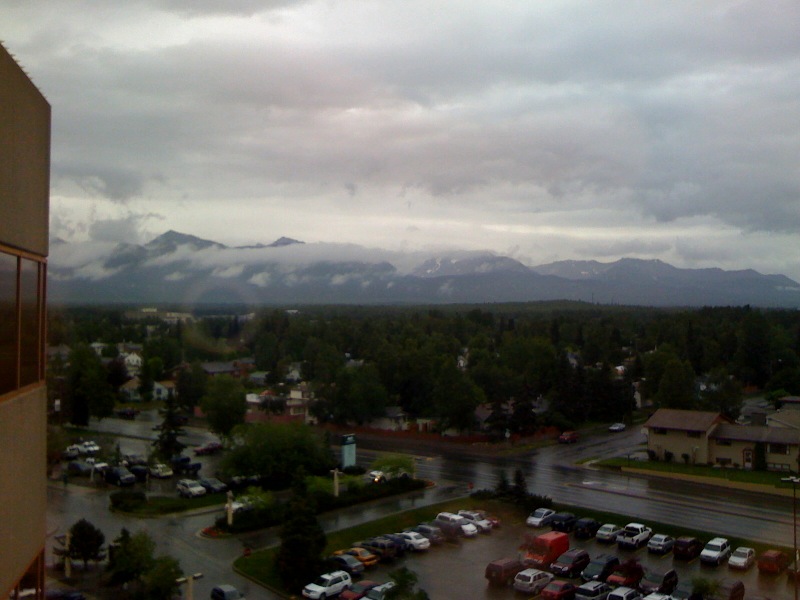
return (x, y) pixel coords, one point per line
(701, 437)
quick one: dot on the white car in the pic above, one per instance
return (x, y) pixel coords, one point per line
(329, 584)
(616, 427)
(742, 558)
(417, 541)
(540, 517)
(531, 581)
(483, 525)
(447, 521)
(608, 533)
(161, 471)
(715, 551)
(89, 447)
(189, 488)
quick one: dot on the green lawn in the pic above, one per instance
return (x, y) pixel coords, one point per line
(739, 475)
(162, 505)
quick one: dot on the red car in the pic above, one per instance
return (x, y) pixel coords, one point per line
(627, 574)
(559, 590)
(208, 448)
(568, 437)
(358, 590)
(773, 561)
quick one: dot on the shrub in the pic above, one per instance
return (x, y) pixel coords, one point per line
(685, 456)
(668, 456)
(651, 454)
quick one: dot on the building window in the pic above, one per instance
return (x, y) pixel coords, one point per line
(8, 323)
(778, 449)
(777, 467)
(21, 321)
(693, 434)
(723, 442)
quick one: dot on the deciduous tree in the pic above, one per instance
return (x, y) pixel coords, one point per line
(224, 404)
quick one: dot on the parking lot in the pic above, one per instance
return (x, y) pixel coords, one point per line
(457, 570)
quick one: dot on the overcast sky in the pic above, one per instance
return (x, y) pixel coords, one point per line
(542, 130)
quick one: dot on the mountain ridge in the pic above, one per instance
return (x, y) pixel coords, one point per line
(177, 267)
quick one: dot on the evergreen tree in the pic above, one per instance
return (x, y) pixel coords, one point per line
(87, 389)
(302, 540)
(167, 443)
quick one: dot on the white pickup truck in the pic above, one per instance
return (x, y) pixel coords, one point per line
(635, 535)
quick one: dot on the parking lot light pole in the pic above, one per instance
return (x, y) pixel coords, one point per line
(794, 480)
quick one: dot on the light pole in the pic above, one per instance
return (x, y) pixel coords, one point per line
(794, 480)
(188, 580)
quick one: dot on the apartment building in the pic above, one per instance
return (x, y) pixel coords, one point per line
(24, 211)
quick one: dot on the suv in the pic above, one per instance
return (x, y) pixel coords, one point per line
(563, 521)
(571, 563)
(119, 476)
(329, 584)
(502, 571)
(586, 528)
(624, 593)
(592, 590)
(454, 525)
(715, 551)
(568, 437)
(189, 488)
(663, 583)
(687, 548)
(432, 532)
(531, 581)
(483, 525)
(600, 568)
(384, 548)
(226, 592)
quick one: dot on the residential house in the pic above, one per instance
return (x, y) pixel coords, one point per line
(133, 363)
(700, 437)
(395, 419)
(682, 432)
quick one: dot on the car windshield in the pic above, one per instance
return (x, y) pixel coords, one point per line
(524, 577)
(740, 554)
(540, 513)
(322, 581)
(714, 547)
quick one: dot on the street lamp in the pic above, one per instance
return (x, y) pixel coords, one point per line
(794, 480)
(188, 580)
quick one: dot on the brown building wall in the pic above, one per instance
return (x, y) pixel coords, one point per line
(24, 160)
(24, 232)
(23, 492)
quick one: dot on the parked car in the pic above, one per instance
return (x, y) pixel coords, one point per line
(658, 581)
(189, 488)
(773, 561)
(347, 563)
(384, 548)
(660, 543)
(401, 543)
(687, 548)
(568, 437)
(592, 590)
(563, 521)
(608, 533)
(128, 460)
(89, 447)
(127, 413)
(141, 472)
(742, 558)
(626, 574)
(558, 590)
(716, 551)
(119, 476)
(208, 448)
(71, 452)
(571, 563)
(160, 471)
(212, 485)
(600, 567)
(226, 592)
(416, 541)
(483, 525)
(493, 519)
(616, 427)
(432, 532)
(624, 593)
(379, 592)
(328, 584)
(685, 591)
(503, 571)
(531, 581)
(453, 525)
(728, 589)
(586, 528)
(540, 517)
(358, 590)
(367, 558)
(79, 467)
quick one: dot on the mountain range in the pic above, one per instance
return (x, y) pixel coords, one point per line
(177, 268)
